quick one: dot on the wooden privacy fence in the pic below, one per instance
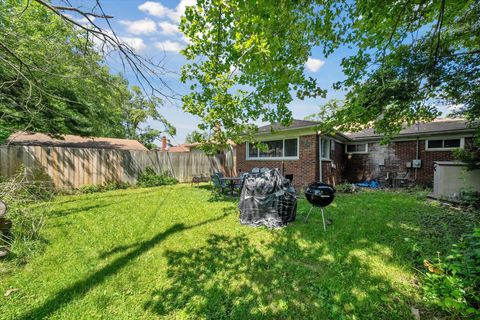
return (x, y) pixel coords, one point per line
(75, 167)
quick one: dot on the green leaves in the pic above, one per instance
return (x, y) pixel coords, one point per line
(246, 61)
(136, 110)
(53, 80)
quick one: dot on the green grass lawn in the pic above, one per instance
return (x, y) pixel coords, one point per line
(178, 252)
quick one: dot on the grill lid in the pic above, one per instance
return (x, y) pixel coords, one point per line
(320, 194)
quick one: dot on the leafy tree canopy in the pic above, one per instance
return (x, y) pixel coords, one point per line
(137, 110)
(196, 136)
(247, 61)
(54, 78)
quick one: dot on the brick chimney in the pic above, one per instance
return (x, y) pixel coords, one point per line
(164, 143)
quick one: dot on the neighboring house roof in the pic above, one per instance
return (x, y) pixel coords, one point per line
(445, 125)
(296, 124)
(187, 147)
(184, 147)
(44, 140)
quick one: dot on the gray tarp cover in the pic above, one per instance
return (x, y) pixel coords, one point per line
(267, 199)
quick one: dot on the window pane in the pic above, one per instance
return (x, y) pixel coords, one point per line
(252, 151)
(357, 147)
(452, 143)
(361, 147)
(432, 144)
(291, 148)
(325, 149)
(274, 149)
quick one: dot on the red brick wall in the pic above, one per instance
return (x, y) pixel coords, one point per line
(376, 164)
(395, 156)
(304, 170)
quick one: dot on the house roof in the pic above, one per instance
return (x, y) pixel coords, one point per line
(296, 124)
(446, 125)
(44, 140)
(184, 147)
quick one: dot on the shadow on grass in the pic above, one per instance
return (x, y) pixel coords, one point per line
(229, 278)
(217, 196)
(82, 287)
(352, 271)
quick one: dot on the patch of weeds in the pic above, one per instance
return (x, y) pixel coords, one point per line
(453, 283)
(346, 188)
(470, 198)
(94, 188)
(26, 195)
(149, 178)
(420, 192)
(447, 226)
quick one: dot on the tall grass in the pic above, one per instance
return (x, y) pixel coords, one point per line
(27, 195)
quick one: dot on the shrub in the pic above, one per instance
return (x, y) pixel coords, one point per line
(453, 283)
(345, 187)
(116, 186)
(93, 188)
(90, 188)
(470, 198)
(149, 178)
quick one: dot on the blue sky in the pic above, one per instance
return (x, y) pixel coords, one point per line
(151, 28)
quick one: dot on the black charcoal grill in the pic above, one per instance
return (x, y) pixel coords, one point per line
(319, 195)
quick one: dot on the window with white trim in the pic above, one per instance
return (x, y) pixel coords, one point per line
(276, 149)
(326, 148)
(356, 148)
(444, 144)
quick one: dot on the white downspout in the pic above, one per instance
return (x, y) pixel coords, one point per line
(416, 153)
(320, 157)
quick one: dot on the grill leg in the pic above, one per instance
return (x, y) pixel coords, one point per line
(308, 215)
(323, 219)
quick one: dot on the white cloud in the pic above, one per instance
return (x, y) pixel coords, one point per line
(169, 46)
(136, 44)
(168, 28)
(154, 8)
(144, 26)
(455, 107)
(314, 65)
(159, 10)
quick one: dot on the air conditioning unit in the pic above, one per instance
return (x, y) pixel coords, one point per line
(417, 163)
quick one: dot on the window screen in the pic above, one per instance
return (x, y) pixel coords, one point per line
(451, 143)
(291, 148)
(432, 144)
(325, 149)
(252, 151)
(274, 149)
(362, 147)
(444, 144)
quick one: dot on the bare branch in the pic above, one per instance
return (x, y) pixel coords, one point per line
(437, 31)
(83, 13)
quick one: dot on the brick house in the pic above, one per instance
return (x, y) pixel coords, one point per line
(349, 157)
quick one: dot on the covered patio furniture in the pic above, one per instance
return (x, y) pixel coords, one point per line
(267, 199)
(264, 169)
